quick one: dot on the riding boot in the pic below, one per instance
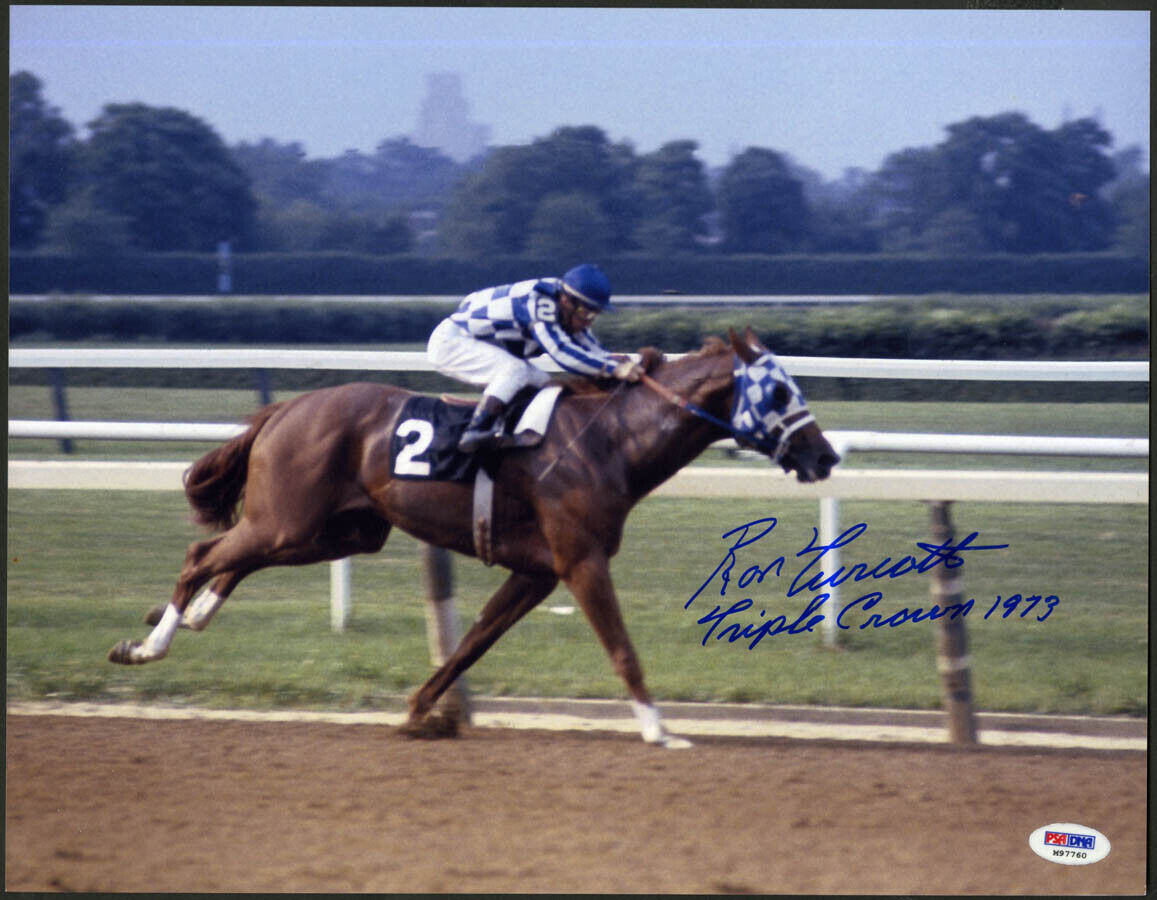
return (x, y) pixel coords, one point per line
(485, 426)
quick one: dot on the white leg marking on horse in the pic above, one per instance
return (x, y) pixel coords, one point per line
(202, 609)
(652, 728)
(156, 645)
(649, 721)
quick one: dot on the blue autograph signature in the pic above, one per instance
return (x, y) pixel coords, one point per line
(811, 578)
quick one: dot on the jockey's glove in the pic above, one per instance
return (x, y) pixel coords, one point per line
(628, 370)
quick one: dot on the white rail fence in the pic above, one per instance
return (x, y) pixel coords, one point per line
(410, 361)
(842, 441)
(695, 481)
(698, 481)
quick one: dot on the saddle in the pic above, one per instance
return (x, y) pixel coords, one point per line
(425, 446)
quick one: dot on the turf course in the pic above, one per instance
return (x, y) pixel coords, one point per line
(84, 566)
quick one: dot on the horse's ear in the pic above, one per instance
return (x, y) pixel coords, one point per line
(752, 340)
(742, 346)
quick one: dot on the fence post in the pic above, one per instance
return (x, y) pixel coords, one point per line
(951, 640)
(264, 389)
(339, 593)
(60, 405)
(442, 625)
(829, 531)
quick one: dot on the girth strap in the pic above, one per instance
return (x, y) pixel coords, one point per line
(483, 515)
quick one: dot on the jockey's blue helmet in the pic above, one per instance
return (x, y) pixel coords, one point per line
(588, 284)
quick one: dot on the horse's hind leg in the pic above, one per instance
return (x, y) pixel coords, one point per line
(518, 595)
(204, 606)
(194, 574)
(244, 549)
(344, 534)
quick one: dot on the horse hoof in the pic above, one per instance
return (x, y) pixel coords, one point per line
(153, 616)
(123, 652)
(670, 742)
(432, 727)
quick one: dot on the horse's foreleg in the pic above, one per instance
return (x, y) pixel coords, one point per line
(590, 582)
(518, 595)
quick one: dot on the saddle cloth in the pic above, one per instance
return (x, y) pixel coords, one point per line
(425, 442)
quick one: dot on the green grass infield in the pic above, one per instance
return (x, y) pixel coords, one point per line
(84, 566)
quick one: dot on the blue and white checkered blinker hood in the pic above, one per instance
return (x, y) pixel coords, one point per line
(765, 396)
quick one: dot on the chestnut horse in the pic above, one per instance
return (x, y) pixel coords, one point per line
(314, 473)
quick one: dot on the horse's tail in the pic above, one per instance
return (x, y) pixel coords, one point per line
(215, 484)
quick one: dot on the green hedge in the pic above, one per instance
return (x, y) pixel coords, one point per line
(1030, 327)
(346, 273)
(225, 322)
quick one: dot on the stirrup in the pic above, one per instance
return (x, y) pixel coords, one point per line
(474, 439)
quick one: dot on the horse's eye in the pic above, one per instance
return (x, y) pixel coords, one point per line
(780, 397)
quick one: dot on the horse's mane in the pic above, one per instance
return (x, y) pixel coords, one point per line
(579, 384)
(711, 346)
(653, 359)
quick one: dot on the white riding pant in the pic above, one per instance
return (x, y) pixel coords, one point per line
(455, 353)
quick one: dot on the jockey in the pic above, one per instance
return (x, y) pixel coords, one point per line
(487, 341)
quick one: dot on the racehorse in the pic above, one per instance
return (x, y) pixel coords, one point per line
(314, 474)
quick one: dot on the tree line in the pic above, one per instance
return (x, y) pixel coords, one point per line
(159, 179)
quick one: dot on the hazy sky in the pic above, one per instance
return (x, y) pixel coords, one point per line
(832, 88)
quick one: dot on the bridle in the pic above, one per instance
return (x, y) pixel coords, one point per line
(759, 434)
(764, 439)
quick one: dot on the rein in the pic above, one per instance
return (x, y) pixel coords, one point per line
(774, 449)
(683, 403)
(565, 450)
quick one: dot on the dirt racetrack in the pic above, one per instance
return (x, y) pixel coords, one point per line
(99, 804)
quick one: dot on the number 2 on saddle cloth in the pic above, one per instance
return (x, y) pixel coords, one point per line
(425, 443)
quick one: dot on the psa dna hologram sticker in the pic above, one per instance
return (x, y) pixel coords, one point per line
(1069, 844)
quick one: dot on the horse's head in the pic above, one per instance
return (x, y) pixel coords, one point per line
(769, 413)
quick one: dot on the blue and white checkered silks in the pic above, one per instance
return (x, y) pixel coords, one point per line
(522, 319)
(766, 396)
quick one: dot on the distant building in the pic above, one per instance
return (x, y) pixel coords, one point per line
(444, 120)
